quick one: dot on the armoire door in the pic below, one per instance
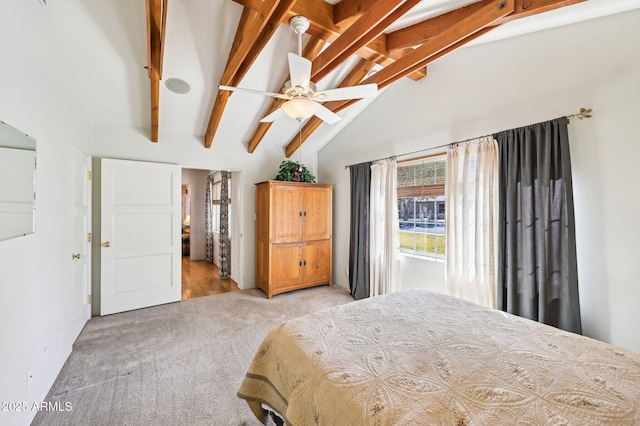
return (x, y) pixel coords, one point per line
(286, 214)
(286, 266)
(317, 213)
(316, 260)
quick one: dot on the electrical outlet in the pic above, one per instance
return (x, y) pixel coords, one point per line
(31, 377)
(57, 337)
(46, 354)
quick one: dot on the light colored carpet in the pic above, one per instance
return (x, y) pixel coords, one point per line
(176, 364)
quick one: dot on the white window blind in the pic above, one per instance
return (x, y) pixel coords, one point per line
(421, 205)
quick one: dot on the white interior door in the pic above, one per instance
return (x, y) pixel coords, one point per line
(81, 241)
(140, 232)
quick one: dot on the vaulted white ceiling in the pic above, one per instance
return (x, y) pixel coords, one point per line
(106, 43)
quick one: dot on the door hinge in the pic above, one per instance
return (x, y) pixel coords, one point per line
(89, 237)
(89, 175)
(89, 299)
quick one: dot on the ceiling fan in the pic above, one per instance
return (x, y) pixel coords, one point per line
(302, 98)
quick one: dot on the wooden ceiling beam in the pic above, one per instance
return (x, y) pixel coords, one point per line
(355, 76)
(247, 16)
(156, 14)
(370, 25)
(381, 42)
(247, 37)
(259, 42)
(387, 82)
(310, 51)
(526, 8)
(349, 10)
(390, 80)
(241, 49)
(489, 11)
(448, 40)
(421, 32)
(320, 15)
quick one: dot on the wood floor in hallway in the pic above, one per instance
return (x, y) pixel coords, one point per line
(200, 278)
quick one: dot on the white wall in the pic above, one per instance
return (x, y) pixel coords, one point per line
(38, 97)
(491, 87)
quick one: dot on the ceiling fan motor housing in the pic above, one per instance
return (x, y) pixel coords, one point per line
(295, 91)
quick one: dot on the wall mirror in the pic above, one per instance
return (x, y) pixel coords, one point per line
(17, 182)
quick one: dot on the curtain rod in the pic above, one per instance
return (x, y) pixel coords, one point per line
(584, 113)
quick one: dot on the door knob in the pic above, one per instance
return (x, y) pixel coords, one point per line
(106, 244)
(75, 256)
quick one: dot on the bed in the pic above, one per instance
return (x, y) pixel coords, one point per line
(418, 357)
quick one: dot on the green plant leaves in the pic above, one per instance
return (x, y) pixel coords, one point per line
(291, 171)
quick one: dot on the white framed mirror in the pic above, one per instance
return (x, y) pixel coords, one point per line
(17, 182)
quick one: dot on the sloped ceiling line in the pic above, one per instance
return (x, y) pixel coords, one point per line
(459, 29)
(353, 27)
(421, 32)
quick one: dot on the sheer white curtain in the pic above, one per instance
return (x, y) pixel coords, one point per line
(384, 231)
(472, 221)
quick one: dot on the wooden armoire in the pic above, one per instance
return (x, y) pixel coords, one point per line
(293, 236)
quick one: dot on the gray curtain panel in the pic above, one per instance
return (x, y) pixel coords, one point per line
(359, 281)
(537, 267)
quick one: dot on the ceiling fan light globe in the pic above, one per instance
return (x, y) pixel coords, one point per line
(300, 109)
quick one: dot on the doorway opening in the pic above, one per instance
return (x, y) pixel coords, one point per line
(199, 276)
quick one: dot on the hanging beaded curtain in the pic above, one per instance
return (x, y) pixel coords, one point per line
(208, 222)
(224, 225)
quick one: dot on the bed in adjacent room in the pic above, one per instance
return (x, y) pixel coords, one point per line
(418, 357)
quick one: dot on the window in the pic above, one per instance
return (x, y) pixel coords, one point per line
(215, 204)
(215, 207)
(421, 206)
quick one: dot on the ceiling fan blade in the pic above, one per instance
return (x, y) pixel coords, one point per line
(326, 115)
(343, 93)
(299, 71)
(273, 116)
(258, 92)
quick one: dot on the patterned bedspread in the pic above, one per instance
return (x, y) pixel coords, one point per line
(417, 357)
